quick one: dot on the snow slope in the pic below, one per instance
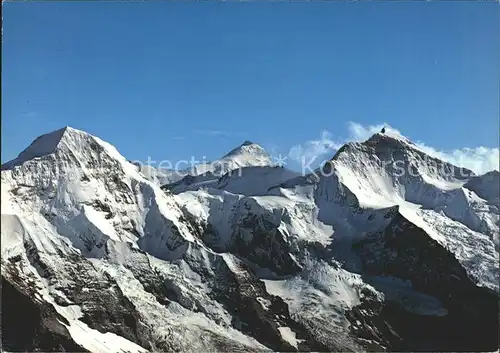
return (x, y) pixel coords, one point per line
(486, 186)
(248, 154)
(72, 195)
(387, 171)
(256, 181)
(249, 159)
(239, 255)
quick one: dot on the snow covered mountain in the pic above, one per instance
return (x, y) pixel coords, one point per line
(248, 154)
(248, 159)
(383, 248)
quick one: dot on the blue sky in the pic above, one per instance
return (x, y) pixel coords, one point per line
(172, 80)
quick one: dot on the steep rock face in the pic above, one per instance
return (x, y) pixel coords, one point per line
(360, 193)
(192, 183)
(85, 189)
(356, 256)
(261, 242)
(387, 171)
(270, 232)
(79, 308)
(38, 329)
(393, 169)
(405, 251)
(486, 186)
(248, 154)
(118, 260)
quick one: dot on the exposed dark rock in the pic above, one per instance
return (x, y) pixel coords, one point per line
(405, 251)
(240, 293)
(261, 242)
(29, 325)
(103, 305)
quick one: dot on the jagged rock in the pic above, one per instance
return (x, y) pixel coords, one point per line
(238, 255)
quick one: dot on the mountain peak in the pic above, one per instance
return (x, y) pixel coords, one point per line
(389, 138)
(49, 143)
(246, 155)
(381, 140)
(247, 147)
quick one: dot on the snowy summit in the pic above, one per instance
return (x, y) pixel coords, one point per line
(374, 251)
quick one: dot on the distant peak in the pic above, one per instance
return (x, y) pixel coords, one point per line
(494, 173)
(247, 147)
(388, 137)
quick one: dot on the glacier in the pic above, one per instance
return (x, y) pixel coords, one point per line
(374, 251)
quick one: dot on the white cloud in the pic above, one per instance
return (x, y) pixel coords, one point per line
(478, 159)
(358, 132)
(312, 150)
